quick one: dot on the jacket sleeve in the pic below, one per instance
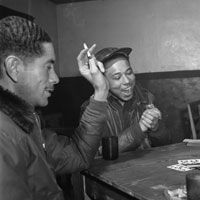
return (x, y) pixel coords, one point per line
(68, 155)
(131, 138)
(13, 179)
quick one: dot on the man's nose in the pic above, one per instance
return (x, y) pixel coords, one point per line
(54, 78)
(125, 79)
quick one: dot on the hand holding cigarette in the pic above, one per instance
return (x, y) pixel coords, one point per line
(93, 70)
(90, 56)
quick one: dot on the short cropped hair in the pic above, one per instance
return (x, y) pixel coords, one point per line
(21, 37)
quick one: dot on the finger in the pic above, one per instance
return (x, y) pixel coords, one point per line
(157, 113)
(146, 124)
(150, 124)
(101, 66)
(148, 115)
(154, 112)
(82, 56)
(91, 49)
(147, 119)
(93, 65)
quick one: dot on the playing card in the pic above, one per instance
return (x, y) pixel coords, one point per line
(189, 161)
(179, 167)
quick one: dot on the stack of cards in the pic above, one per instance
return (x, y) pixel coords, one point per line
(186, 165)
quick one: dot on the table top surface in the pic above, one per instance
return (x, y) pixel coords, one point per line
(144, 174)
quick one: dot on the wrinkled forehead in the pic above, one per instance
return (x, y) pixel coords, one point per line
(109, 63)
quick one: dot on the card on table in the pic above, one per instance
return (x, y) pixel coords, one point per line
(189, 161)
(179, 167)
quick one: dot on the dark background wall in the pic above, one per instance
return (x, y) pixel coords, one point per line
(173, 90)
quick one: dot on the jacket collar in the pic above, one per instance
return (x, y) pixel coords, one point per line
(17, 109)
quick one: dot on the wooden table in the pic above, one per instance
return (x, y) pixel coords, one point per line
(139, 175)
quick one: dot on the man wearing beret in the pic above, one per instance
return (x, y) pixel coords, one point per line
(131, 114)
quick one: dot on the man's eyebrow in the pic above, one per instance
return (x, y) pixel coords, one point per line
(116, 73)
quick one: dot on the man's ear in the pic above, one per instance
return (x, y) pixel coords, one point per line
(12, 67)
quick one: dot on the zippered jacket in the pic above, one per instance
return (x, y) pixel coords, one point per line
(123, 121)
(30, 158)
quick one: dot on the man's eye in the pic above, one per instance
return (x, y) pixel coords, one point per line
(129, 72)
(116, 77)
(49, 67)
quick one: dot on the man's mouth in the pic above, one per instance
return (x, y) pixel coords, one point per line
(49, 90)
(127, 90)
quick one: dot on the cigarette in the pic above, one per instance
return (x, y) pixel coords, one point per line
(88, 53)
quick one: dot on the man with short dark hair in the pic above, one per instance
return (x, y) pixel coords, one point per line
(131, 114)
(29, 157)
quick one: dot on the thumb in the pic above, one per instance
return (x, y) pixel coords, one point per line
(93, 65)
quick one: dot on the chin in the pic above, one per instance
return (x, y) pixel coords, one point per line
(123, 99)
(127, 98)
(43, 103)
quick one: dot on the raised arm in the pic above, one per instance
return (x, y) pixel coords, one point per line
(77, 152)
(93, 71)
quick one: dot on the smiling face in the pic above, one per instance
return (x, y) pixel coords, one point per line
(120, 77)
(37, 78)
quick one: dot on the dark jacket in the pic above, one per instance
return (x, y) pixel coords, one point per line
(124, 120)
(30, 158)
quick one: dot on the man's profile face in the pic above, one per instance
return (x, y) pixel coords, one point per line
(37, 78)
(120, 77)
